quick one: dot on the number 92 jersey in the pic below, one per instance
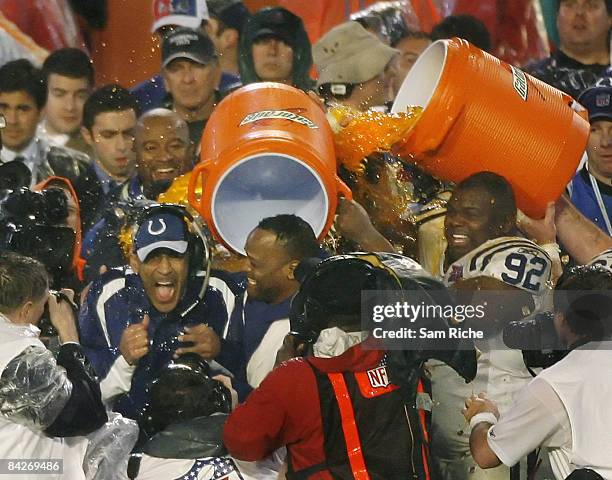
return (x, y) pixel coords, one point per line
(515, 261)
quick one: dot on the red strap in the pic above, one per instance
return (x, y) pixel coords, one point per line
(349, 427)
(423, 421)
(422, 417)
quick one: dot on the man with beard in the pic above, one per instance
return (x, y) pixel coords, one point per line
(164, 152)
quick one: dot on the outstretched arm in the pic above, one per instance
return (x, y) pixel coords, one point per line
(580, 237)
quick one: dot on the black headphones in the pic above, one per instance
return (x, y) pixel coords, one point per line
(317, 297)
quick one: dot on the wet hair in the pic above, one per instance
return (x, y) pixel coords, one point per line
(69, 62)
(295, 234)
(500, 191)
(580, 297)
(407, 33)
(22, 280)
(22, 76)
(110, 98)
(467, 27)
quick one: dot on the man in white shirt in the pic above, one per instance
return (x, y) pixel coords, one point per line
(566, 407)
(482, 254)
(42, 400)
(22, 98)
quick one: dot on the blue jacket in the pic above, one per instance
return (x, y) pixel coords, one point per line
(583, 197)
(249, 323)
(151, 93)
(116, 300)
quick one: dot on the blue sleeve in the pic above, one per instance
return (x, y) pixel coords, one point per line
(102, 319)
(149, 94)
(90, 239)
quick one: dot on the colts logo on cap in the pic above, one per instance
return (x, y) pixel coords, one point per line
(160, 230)
(602, 100)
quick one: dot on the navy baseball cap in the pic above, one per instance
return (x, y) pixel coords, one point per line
(187, 43)
(231, 12)
(598, 102)
(276, 22)
(164, 230)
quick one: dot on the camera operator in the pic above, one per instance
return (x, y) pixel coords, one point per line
(42, 399)
(566, 407)
(34, 224)
(183, 423)
(73, 273)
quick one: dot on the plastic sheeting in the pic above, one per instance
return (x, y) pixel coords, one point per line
(34, 389)
(109, 449)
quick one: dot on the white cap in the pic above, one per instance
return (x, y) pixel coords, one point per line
(184, 13)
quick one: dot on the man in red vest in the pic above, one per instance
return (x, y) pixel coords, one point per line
(337, 409)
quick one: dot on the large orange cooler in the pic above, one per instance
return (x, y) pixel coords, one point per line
(267, 149)
(482, 114)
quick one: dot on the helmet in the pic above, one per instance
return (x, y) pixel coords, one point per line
(183, 391)
(334, 287)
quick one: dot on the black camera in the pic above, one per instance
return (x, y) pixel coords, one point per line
(34, 224)
(537, 337)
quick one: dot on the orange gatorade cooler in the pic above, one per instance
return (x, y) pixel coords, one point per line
(483, 114)
(267, 149)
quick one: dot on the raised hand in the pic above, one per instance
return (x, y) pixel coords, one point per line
(205, 342)
(134, 342)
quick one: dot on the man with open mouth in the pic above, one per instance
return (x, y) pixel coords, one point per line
(138, 319)
(485, 252)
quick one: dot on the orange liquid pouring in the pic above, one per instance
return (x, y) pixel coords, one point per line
(367, 132)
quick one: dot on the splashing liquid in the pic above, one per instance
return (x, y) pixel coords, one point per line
(359, 134)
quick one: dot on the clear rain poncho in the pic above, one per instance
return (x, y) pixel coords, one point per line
(33, 388)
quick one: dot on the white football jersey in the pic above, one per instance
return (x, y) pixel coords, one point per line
(515, 261)
(604, 259)
(501, 373)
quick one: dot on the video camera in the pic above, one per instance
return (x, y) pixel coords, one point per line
(537, 338)
(34, 224)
